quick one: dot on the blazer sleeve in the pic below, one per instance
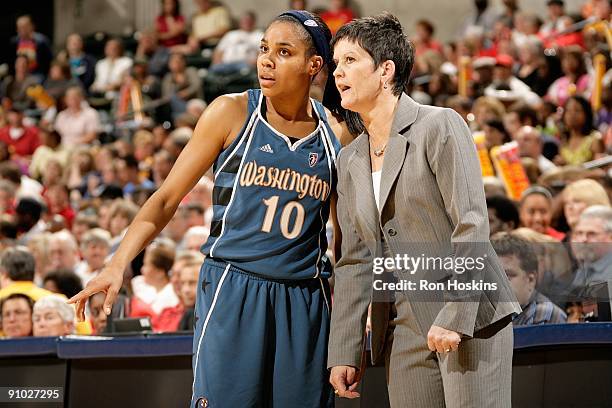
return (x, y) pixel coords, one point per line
(454, 161)
(353, 283)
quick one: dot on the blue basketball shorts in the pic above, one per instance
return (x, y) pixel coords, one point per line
(259, 342)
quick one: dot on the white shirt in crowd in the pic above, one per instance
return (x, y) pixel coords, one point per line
(109, 72)
(240, 46)
(148, 294)
(73, 125)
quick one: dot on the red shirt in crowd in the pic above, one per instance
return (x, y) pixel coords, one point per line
(336, 19)
(25, 144)
(167, 320)
(161, 25)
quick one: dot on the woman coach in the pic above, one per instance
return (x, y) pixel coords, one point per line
(411, 176)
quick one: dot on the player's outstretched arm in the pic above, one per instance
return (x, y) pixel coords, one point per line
(213, 132)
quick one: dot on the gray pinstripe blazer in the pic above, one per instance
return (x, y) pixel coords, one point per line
(431, 192)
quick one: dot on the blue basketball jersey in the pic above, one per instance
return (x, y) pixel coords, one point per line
(271, 198)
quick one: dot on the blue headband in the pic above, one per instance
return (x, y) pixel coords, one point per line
(315, 31)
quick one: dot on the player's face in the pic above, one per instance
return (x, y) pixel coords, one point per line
(283, 66)
(357, 79)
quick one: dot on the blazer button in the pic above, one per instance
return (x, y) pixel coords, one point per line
(392, 232)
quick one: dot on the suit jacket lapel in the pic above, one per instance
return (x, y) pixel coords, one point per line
(397, 146)
(361, 173)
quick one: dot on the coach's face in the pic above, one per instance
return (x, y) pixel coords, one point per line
(357, 79)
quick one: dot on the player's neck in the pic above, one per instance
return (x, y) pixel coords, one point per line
(289, 108)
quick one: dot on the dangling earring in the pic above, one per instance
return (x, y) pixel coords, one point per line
(385, 86)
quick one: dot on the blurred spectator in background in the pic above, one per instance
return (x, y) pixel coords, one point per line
(575, 80)
(129, 176)
(35, 46)
(486, 108)
(51, 148)
(78, 124)
(554, 23)
(424, 41)
(177, 226)
(8, 192)
(338, 14)
(14, 87)
(22, 140)
(155, 55)
(58, 81)
(592, 245)
(95, 248)
(17, 267)
(483, 16)
(535, 211)
(506, 87)
(530, 145)
(83, 222)
(110, 69)
(578, 196)
(483, 75)
(503, 214)
(63, 281)
(58, 202)
(181, 84)
(16, 316)
(63, 251)
(526, 28)
(580, 141)
(162, 164)
(188, 284)
(531, 66)
(210, 22)
(26, 187)
(153, 291)
(519, 114)
(121, 214)
(28, 214)
(298, 5)
(98, 317)
(170, 24)
(555, 267)
(238, 49)
(82, 66)
(495, 134)
(53, 317)
(521, 265)
(195, 237)
(181, 259)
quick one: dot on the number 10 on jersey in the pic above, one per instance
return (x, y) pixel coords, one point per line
(272, 205)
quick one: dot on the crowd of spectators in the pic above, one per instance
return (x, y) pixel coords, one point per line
(85, 139)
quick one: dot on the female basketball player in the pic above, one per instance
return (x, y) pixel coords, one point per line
(262, 312)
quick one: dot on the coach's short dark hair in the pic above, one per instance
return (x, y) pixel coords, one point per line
(383, 38)
(18, 263)
(506, 244)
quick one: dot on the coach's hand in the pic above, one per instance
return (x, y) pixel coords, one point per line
(442, 340)
(345, 380)
(109, 281)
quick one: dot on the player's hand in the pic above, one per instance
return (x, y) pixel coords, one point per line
(109, 281)
(442, 340)
(345, 380)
